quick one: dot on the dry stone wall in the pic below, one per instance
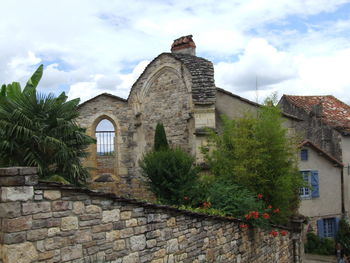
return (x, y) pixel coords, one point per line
(54, 223)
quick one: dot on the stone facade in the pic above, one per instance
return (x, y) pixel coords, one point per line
(55, 223)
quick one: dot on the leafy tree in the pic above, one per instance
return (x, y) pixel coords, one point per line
(255, 152)
(160, 140)
(40, 130)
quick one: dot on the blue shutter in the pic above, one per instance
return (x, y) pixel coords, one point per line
(303, 155)
(337, 219)
(320, 228)
(315, 184)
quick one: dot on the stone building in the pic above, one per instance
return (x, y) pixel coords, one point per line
(326, 127)
(177, 89)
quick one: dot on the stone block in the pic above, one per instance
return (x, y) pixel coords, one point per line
(16, 224)
(17, 193)
(16, 180)
(102, 228)
(69, 223)
(31, 179)
(93, 209)
(19, 253)
(53, 231)
(61, 205)
(110, 215)
(78, 207)
(137, 243)
(125, 215)
(36, 234)
(113, 235)
(119, 245)
(131, 258)
(52, 194)
(131, 222)
(71, 252)
(9, 171)
(83, 236)
(172, 245)
(12, 238)
(126, 232)
(9, 210)
(35, 207)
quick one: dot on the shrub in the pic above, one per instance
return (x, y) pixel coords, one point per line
(160, 140)
(172, 175)
(343, 235)
(317, 245)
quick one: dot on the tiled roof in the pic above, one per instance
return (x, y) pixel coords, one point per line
(334, 112)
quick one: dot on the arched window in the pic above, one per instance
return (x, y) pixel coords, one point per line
(105, 138)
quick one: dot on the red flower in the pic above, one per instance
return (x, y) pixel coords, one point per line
(274, 233)
(269, 207)
(266, 216)
(254, 214)
(243, 226)
(260, 196)
(206, 205)
(277, 210)
(247, 217)
(283, 233)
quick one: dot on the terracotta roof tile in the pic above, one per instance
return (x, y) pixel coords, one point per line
(334, 112)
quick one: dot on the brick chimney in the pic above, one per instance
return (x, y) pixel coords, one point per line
(184, 45)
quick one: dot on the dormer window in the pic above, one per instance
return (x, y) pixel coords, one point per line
(304, 155)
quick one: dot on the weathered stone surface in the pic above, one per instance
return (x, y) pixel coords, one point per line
(36, 234)
(69, 223)
(8, 210)
(52, 194)
(112, 235)
(61, 205)
(172, 246)
(36, 207)
(110, 215)
(16, 224)
(131, 258)
(53, 231)
(19, 253)
(138, 242)
(72, 252)
(12, 238)
(125, 215)
(78, 207)
(17, 193)
(93, 209)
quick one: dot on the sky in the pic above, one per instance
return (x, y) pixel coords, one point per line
(295, 47)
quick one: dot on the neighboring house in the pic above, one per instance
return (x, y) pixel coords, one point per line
(177, 89)
(326, 123)
(321, 202)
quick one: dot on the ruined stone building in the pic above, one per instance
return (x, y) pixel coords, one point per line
(177, 89)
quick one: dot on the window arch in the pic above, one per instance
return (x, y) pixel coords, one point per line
(105, 134)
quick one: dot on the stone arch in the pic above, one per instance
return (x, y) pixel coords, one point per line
(166, 68)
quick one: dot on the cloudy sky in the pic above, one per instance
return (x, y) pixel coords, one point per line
(93, 46)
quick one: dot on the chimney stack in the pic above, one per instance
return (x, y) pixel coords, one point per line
(184, 45)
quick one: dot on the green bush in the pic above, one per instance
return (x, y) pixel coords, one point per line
(343, 236)
(317, 245)
(160, 140)
(172, 175)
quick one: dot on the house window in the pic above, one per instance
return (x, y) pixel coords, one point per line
(311, 189)
(304, 155)
(304, 192)
(327, 227)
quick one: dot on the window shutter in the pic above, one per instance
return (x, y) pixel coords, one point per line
(303, 155)
(320, 228)
(315, 184)
(337, 219)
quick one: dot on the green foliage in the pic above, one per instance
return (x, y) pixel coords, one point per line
(160, 140)
(171, 175)
(40, 130)
(343, 235)
(317, 245)
(254, 152)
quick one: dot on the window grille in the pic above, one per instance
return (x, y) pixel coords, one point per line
(105, 143)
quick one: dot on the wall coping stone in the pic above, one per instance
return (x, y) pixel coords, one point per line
(18, 171)
(55, 186)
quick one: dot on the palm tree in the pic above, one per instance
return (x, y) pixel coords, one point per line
(40, 130)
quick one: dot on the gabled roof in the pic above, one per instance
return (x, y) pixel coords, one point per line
(321, 152)
(103, 94)
(333, 111)
(202, 73)
(287, 115)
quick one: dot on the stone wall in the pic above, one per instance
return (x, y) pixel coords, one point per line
(42, 222)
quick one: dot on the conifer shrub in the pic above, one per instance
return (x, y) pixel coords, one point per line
(160, 140)
(172, 175)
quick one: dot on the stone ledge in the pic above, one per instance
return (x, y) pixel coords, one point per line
(18, 171)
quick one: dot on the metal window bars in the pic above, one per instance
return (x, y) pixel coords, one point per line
(105, 143)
